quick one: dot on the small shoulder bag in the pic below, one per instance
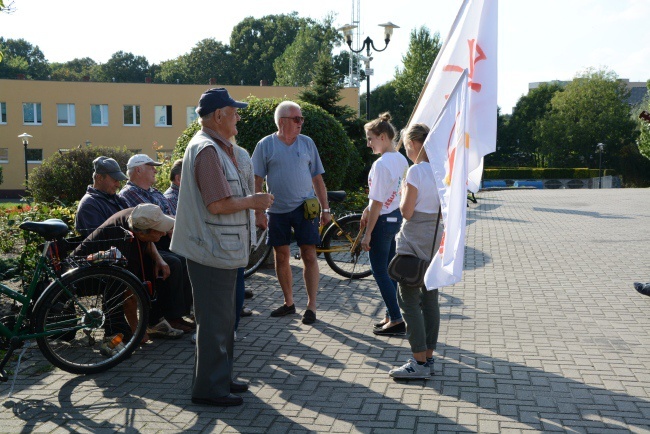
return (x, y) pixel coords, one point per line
(409, 270)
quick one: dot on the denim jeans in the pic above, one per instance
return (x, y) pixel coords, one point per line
(240, 292)
(382, 250)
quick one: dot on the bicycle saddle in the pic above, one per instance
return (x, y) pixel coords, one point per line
(336, 196)
(49, 229)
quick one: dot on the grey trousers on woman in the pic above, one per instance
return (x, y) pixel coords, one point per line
(214, 312)
(421, 313)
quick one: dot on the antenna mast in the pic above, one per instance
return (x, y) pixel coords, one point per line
(354, 77)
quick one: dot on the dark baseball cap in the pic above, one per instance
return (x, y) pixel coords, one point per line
(214, 99)
(108, 166)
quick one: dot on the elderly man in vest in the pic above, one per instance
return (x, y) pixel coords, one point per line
(213, 233)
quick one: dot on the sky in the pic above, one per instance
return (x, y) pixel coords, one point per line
(538, 40)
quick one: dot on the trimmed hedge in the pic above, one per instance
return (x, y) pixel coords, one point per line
(547, 173)
(64, 177)
(335, 148)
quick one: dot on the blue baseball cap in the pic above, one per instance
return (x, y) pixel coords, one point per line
(214, 99)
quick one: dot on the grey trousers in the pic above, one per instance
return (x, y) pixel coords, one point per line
(214, 311)
(421, 313)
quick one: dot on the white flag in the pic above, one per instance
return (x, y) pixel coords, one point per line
(446, 147)
(471, 45)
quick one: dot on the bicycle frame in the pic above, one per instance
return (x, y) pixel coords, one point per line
(19, 331)
(355, 242)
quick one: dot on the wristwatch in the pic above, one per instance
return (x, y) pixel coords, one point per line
(327, 210)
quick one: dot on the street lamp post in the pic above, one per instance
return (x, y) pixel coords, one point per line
(26, 138)
(601, 147)
(367, 44)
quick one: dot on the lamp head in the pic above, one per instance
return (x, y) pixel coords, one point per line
(388, 30)
(347, 32)
(25, 138)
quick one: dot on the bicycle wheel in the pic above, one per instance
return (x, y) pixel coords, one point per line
(108, 302)
(337, 246)
(259, 254)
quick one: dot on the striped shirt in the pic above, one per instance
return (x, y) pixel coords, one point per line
(134, 195)
(208, 171)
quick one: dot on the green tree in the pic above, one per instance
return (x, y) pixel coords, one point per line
(409, 82)
(37, 66)
(73, 70)
(517, 144)
(592, 109)
(257, 42)
(324, 91)
(208, 59)
(124, 68)
(294, 66)
(644, 127)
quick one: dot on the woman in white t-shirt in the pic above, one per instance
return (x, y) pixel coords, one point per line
(382, 217)
(420, 207)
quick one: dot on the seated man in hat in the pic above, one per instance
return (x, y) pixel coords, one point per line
(141, 171)
(148, 224)
(100, 201)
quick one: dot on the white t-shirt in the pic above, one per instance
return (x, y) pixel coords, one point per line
(385, 180)
(421, 177)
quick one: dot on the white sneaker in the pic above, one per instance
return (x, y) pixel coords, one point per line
(193, 339)
(411, 370)
(164, 330)
(429, 363)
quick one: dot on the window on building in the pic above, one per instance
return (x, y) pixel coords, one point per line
(99, 114)
(3, 112)
(4, 155)
(32, 113)
(163, 115)
(132, 115)
(65, 114)
(191, 115)
(34, 156)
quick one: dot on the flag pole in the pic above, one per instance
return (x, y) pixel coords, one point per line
(435, 63)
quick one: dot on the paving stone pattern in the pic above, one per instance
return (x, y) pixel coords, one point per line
(544, 333)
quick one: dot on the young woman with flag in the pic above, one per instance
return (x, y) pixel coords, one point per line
(420, 207)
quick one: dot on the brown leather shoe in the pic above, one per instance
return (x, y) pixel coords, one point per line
(224, 401)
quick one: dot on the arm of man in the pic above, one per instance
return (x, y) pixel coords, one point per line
(160, 266)
(321, 194)
(260, 217)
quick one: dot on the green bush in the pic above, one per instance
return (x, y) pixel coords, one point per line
(256, 122)
(14, 240)
(547, 173)
(64, 177)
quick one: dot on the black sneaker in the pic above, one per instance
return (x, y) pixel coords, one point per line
(284, 310)
(642, 289)
(309, 317)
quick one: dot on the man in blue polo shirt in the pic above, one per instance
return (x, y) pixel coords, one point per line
(290, 163)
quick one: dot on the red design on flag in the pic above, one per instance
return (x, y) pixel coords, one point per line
(476, 54)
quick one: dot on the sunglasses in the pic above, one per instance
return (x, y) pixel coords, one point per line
(296, 119)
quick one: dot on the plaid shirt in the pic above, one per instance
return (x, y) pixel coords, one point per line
(172, 194)
(134, 195)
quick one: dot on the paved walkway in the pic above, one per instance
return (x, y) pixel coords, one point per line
(544, 333)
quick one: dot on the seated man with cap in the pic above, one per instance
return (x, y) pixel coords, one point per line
(141, 171)
(148, 224)
(100, 201)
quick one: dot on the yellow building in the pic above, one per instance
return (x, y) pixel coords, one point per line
(144, 117)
